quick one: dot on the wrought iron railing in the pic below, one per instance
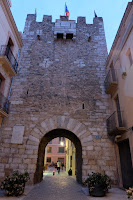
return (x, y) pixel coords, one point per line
(111, 77)
(4, 103)
(114, 121)
(6, 51)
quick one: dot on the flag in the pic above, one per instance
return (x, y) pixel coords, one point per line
(95, 13)
(35, 13)
(67, 11)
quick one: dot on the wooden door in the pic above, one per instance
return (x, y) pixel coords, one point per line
(126, 163)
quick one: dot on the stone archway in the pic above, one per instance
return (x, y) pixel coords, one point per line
(41, 152)
(43, 133)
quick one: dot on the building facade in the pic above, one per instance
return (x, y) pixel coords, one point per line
(59, 92)
(70, 157)
(119, 84)
(10, 43)
(55, 150)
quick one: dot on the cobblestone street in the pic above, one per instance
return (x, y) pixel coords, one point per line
(57, 187)
(61, 186)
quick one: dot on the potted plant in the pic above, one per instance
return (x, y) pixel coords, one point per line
(15, 183)
(70, 172)
(98, 184)
(130, 193)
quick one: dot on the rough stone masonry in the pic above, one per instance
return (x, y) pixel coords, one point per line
(60, 84)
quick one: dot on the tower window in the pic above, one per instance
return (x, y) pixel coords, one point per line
(89, 38)
(59, 35)
(69, 36)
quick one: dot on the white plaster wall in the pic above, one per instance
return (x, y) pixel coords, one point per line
(6, 31)
(126, 82)
(5, 89)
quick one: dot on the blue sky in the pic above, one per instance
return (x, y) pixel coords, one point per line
(111, 11)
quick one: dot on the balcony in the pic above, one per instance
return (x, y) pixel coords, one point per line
(4, 106)
(8, 60)
(110, 82)
(115, 125)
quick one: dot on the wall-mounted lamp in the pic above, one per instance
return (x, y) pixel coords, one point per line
(62, 143)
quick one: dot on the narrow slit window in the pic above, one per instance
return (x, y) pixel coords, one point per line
(89, 38)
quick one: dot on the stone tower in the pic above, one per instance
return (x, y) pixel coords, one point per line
(59, 91)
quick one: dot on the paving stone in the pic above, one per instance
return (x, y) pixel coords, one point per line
(57, 187)
(61, 186)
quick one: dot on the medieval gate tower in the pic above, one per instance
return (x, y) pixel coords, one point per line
(59, 91)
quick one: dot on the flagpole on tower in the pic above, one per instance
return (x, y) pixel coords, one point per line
(67, 11)
(35, 12)
(95, 14)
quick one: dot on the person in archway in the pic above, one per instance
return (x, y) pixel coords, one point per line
(62, 165)
(58, 166)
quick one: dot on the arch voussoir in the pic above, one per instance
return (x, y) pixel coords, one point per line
(34, 139)
(76, 128)
(36, 134)
(44, 125)
(71, 124)
(61, 122)
(38, 131)
(81, 133)
(52, 124)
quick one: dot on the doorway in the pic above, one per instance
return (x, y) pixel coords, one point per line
(126, 163)
(38, 176)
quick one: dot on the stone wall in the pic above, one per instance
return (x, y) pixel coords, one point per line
(60, 84)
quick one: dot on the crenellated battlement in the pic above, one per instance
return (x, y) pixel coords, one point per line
(62, 28)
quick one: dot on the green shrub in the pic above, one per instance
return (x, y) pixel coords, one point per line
(15, 183)
(97, 179)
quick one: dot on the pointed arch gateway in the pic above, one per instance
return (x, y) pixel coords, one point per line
(58, 126)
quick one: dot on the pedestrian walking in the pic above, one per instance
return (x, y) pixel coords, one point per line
(62, 165)
(58, 166)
